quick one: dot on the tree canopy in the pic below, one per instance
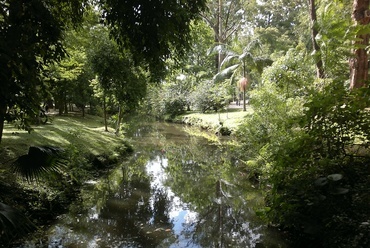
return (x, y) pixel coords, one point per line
(32, 32)
(152, 30)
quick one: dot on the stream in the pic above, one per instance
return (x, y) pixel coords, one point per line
(176, 190)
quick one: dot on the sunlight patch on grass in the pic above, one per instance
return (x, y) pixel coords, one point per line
(85, 133)
(229, 119)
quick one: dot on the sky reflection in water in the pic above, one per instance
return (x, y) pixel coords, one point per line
(176, 191)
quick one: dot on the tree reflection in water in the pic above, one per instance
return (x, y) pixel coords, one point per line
(176, 191)
(205, 178)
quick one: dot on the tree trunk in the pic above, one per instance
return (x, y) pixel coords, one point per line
(65, 104)
(83, 111)
(244, 104)
(359, 63)
(119, 118)
(105, 114)
(2, 119)
(319, 64)
(220, 40)
(244, 87)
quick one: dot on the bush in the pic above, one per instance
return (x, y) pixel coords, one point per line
(162, 102)
(310, 146)
(319, 176)
(210, 97)
(174, 107)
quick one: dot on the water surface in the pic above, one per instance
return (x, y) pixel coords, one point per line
(177, 190)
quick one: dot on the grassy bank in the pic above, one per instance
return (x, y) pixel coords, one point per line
(84, 132)
(229, 119)
(89, 152)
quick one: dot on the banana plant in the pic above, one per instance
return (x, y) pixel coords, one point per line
(236, 65)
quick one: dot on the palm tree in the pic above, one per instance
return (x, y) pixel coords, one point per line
(39, 161)
(235, 64)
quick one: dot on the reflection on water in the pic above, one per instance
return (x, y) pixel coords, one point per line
(176, 191)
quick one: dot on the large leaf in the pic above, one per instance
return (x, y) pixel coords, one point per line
(228, 58)
(335, 177)
(217, 49)
(244, 55)
(40, 160)
(225, 74)
(321, 181)
(339, 191)
(13, 222)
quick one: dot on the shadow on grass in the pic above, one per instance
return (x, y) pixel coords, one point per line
(83, 132)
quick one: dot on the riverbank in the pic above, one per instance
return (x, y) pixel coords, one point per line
(222, 123)
(89, 150)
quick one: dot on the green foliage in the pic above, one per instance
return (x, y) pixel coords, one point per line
(310, 143)
(309, 140)
(153, 31)
(12, 223)
(175, 107)
(277, 23)
(154, 102)
(124, 148)
(29, 40)
(172, 96)
(277, 106)
(319, 176)
(166, 101)
(335, 37)
(117, 76)
(210, 97)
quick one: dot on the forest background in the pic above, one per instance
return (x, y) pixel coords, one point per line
(305, 62)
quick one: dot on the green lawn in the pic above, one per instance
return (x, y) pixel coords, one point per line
(84, 132)
(230, 119)
(88, 132)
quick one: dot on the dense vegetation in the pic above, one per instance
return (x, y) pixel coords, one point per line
(306, 139)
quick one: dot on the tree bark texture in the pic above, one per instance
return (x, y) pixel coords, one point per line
(319, 64)
(359, 62)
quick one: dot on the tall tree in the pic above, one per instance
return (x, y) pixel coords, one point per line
(30, 38)
(31, 33)
(225, 18)
(117, 76)
(314, 33)
(359, 67)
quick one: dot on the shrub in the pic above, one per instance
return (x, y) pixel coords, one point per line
(310, 145)
(319, 176)
(174, 107)
(210, 97)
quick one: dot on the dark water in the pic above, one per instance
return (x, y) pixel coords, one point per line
(177, 190)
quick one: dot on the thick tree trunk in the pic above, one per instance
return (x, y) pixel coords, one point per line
(319, 64)
(2, 119)
(359, 63)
